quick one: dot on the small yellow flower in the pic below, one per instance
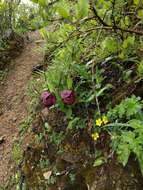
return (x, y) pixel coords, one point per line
(105, 120)
(99, 122)
(95, 136)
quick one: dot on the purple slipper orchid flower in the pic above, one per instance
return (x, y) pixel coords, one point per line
(48, 99)
(68, 97)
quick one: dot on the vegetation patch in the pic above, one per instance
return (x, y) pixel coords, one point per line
(87, 127)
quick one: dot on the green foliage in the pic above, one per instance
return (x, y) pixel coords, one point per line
(94, 49)
(44, 163)
(89, 40)
(110, 44)
(99, 161)
(130, 142)
(137, 2)
(76, 123)
(42, 3)
(17, 153)
(82, 8)
(63, 8)
(34, 1)
(2, 75)
(52, 180)
(5, 23)
(72, 177)
(140, 69)
(140, 13)
(127, 108)
(129, 42)
(127, 140)
(56, 138)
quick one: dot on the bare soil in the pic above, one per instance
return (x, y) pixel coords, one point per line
(14, 101)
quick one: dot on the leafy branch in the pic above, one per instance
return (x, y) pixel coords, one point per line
(114, 27)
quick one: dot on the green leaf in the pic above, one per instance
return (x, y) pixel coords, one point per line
(72, 124)
(47, 127)
(136, 124)
(129, 42)
(82, 8)
(127, 20)
(91, 98)
(140, 159)
(34, 1)
(110, 44)
(82, 71)
(132, 106)
(99, 162)
(128, 107)
(44, 33)
(123, 154)
(137, 2)
(63, 9)
(42, 3)
(69, 113)
(69, 83)
(140, 13)
(128, 137)
(121, 111)
(100, 92)
(140, 69)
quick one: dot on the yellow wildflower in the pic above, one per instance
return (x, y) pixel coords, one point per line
(95, 136)
(99, 122)
(105, 120)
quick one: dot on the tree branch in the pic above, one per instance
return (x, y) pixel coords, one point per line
(98, 17)
(114, 27)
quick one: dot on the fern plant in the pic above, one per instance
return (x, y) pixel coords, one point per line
(128, 133)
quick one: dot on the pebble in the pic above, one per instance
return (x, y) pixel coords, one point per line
(47, 174)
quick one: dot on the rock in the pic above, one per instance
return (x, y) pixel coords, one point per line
(115, 176)
(47, 175)
(70, 157)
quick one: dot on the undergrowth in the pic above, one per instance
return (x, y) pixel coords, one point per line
(89, 103)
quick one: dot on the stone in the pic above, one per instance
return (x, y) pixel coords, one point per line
(47, 174)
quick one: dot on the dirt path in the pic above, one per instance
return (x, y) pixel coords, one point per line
(14, 102)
